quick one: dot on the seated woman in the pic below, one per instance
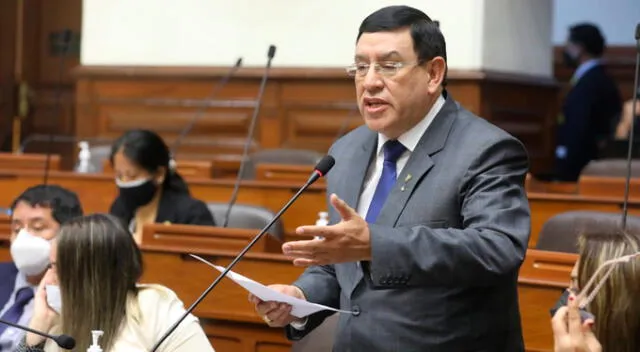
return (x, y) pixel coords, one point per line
(150, 188)
(615, 305)
(97, 266)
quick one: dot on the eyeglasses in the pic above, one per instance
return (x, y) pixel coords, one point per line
(583, 298)
(387, 69)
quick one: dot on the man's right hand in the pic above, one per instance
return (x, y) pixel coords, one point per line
(277, 314)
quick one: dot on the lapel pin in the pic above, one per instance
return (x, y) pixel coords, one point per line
(408, 178)
(402, 188)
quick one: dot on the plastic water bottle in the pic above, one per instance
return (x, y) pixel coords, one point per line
(84, 165)
(95, 335)
(323, 220)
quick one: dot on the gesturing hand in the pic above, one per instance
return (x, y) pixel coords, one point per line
(346, 241)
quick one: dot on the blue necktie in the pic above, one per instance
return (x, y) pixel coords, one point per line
(392, 152)
(14, 312)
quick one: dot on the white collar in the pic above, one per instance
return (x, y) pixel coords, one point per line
(584, 68)
(410, 138)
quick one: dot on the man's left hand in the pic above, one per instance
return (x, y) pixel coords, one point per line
(346, 241)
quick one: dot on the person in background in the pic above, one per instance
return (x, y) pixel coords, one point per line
(36, 216)
(615, 306)
(628, 113)
(93, 285)
(151, 190)
(592, 106)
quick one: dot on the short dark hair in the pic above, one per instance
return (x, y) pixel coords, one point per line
(64, 204)
(428, 40)
(149, 151)
(589, 37)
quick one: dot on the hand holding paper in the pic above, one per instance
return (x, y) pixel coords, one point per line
(300, 307)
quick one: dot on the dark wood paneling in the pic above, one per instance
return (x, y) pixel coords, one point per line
(302, 108)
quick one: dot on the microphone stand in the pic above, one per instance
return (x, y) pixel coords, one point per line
(64, 341)
(66, 40)
(627, 185)
(252, 126)
(317, 174)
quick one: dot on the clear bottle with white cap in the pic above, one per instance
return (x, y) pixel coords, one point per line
(84, 165)
(95, 335)
(323, 220)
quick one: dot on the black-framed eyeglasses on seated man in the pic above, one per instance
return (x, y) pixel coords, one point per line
(387, 68)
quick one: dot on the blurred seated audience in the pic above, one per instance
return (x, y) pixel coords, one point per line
(151, 190)
(592, 106)
(36, 216)
(93, 285)
(622, 131)
(614, 307)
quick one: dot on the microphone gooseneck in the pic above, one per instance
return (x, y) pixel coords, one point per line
(221, 83)
(64, 341)
(321, 169)
(634, 102)
(66, 40)
(252, 126)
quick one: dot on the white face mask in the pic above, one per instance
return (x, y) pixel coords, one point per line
(54, 300)
(30, 253)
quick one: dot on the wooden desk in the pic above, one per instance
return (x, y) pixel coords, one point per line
(545, 205)
(226, 315)
(97, 192)
(5, 236)
(608, 187)
(28, 161)
(543, 278)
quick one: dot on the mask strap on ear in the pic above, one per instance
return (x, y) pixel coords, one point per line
(172, 164)
(584, 298)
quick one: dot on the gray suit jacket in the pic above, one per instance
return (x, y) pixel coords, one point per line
(446, 247)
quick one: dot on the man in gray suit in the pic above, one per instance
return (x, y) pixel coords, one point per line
(433, 220)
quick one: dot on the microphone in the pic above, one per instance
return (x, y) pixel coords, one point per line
(66, 40)
(221, 83)
(64, 341)
(627, 185)
(321, 169)
(252, 126)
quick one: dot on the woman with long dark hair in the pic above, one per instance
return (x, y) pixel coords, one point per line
(93, 285)
(151, 190)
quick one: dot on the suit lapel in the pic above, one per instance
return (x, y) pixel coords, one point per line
(419, 164)
(356, 169)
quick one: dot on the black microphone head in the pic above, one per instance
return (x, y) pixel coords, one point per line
(239, 62)
(325, 164)
(65, 341)
(638, 31)
(272, 51)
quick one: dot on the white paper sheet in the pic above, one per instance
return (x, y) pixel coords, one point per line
(300, 308)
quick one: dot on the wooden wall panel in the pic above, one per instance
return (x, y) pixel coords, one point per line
(302, 108)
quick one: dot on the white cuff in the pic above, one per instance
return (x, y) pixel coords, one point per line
(299, 326)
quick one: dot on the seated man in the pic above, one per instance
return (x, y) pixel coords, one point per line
(36, 216)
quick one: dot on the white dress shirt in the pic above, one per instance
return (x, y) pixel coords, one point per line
(409, 140)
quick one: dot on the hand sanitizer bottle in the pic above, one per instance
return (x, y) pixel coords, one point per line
(95, 335)
(323, 220)
(84, 159)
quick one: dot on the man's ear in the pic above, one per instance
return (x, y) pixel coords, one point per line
(437, 69)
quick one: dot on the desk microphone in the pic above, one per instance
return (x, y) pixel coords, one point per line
(221, 83)
(66, 43)
(252, 127)
(627, 185)
(321, 169)
(64, 341)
